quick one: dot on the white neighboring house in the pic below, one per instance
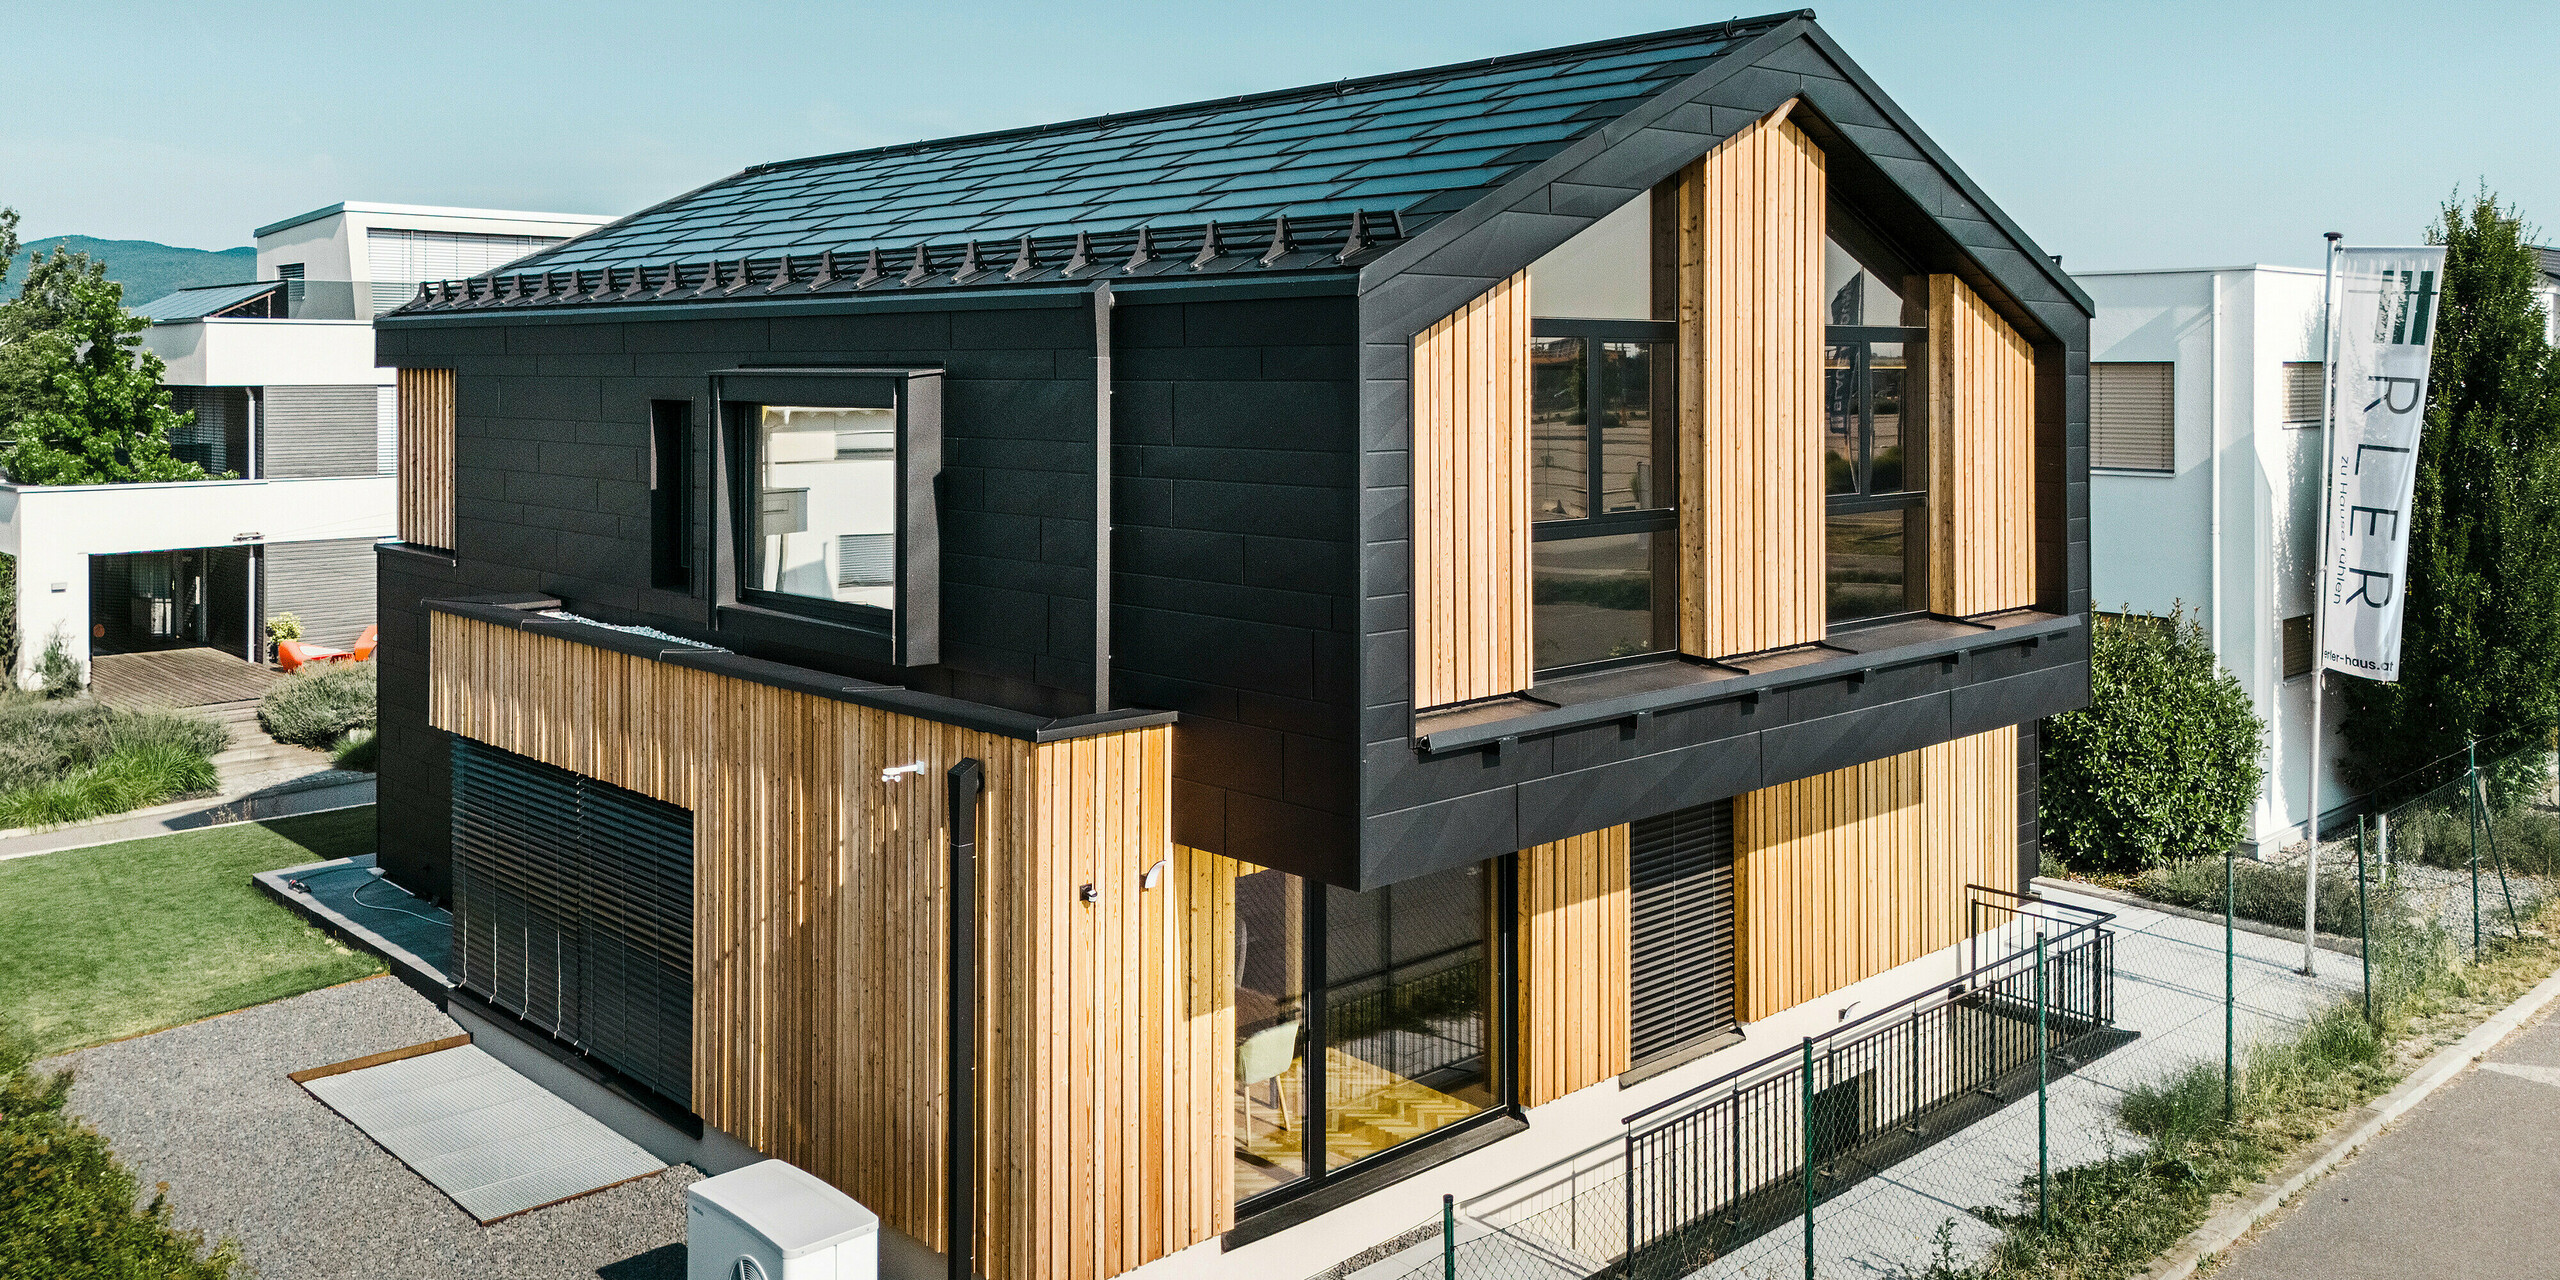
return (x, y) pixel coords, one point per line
(2204, 438)
(280, 374)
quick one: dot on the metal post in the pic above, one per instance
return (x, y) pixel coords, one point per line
(2230, 992)
(2319, 637)
(1807, 1126)
(1449, 1237)
(2364, 924)
(2488, 824)
(2044, 1149)
(2471, 778)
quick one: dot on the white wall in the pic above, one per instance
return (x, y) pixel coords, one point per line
(2229, 334)
(260, 353)
(331, 245)
(53, 530)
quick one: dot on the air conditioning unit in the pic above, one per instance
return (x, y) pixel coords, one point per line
(775, 1221)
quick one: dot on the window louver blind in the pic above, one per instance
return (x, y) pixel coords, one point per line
(2130, 416)
(1680, 918)
(573, 909)
(2302, 387)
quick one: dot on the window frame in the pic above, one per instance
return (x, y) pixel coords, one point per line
(671, 495)
(1595, 523)
(1863, 500)
(907, 634)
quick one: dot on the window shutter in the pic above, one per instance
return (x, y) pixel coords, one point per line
(2302, 387)
(2297, 646)
(2131, 418)
(1680, 918)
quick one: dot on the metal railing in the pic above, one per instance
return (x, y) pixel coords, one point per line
(1720, 1165)
(1415, 1024)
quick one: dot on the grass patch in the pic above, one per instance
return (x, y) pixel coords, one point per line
(2113, 1216)
(320, 704)
(69, 1210)
(68, 761)
(99, 944)
(2527, 838)
(2267, 894)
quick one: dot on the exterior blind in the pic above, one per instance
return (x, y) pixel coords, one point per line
(573, 909)
(2131, 426)
(2297, 646)
(2302, 386)
(1680, 930)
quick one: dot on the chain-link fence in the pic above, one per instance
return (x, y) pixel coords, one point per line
(2054, 1082)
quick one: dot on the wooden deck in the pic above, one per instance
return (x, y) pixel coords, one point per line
(176, 678)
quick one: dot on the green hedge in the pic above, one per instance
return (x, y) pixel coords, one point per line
(2163, 763)
(66, 1204)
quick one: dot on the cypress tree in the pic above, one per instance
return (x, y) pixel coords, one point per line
(2480, 642)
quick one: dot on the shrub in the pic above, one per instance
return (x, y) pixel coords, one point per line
(70, 761)
(283, 627)
(319, 704)
(69, 1209)
(359, 750)
(2163, 763)
(58, 673)
(2270, 895)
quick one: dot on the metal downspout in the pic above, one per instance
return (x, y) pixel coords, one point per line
(960, 1200)
(1102, 497)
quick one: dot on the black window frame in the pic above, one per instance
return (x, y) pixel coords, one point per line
(1864, 500)
(1595, 335)
(671, 495)
(909, 633)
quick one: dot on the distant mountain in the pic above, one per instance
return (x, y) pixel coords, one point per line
(145, 268)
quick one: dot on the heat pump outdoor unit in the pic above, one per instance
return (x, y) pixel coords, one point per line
(774, 1221)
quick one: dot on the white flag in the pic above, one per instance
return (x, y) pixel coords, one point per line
(2380, 338)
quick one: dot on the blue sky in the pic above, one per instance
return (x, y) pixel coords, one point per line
(2117, 135)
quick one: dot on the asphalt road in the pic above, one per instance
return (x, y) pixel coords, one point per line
(2463, 1186)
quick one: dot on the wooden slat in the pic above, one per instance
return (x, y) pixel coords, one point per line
(1981, 388)
(1748, 275)
(426, 457)
(821, 945)
(1879, 853)
(1573, 964)
(1470, 467)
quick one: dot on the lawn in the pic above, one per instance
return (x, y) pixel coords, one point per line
(100, 944)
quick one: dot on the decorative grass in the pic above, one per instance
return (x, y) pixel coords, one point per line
(104, 943)
(2267, 894)
(360, 750)
(67, 761)
(320, 704)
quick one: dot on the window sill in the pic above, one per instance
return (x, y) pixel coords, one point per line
(1635, 693)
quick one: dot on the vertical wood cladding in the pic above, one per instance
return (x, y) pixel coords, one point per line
(426, 457)
(1471, 500)
(1749, 236)
(1573, 964)
(1982, 493)
(1842, 876)
(821, 946)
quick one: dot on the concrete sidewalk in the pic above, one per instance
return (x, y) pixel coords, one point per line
(2460, 1188)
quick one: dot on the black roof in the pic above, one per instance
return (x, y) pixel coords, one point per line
(1321, 177)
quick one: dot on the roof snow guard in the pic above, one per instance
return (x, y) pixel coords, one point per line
(1317, 178)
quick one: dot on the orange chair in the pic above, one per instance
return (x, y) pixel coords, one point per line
(365, 643)
(292, 655)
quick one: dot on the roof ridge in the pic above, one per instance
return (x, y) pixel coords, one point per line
(1724, 29)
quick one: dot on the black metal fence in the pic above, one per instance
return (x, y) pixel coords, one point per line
(1731, 1160)
(1418, 1020)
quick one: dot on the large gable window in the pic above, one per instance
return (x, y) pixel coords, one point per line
(831, 492)
(1601, 477)
(1875, 469)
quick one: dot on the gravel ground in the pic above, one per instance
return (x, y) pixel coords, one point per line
(249, 1155)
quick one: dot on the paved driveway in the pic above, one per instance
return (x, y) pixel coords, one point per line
(248, 1154)
(2463, 1186)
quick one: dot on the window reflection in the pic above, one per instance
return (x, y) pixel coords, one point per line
(1408, 1010)
(1868, 564)
(1559, 442)
(1885, 384)
(1841, 422)
(1271, 1035)
(826, 515)
(1593, 599)
(1635, 425)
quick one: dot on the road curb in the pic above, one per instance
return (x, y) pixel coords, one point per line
(2224, 1229)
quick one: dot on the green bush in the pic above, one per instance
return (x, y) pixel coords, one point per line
(319, 704)
(283, 627)
(2270, 895)
(2162, 764)
(69, 1206)
(359, 750)
(57, 672)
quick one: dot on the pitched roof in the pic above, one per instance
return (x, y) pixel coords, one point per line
(202, 301)
(1301, 178)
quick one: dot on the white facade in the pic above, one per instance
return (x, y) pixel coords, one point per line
(2230, 529)
(311, 436)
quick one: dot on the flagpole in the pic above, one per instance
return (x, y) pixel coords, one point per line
(2319, 567)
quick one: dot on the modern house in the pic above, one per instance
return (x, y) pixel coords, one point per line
(2204, 471)
(292, 411)
(1148, 695)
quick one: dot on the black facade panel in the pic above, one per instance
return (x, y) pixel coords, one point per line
(413, 826)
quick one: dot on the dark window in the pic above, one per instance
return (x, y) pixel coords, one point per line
(2297, 646)
(1874, 434)
(670, 493)
(1601, 490)
(1371, 1020)
(1680, 933)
